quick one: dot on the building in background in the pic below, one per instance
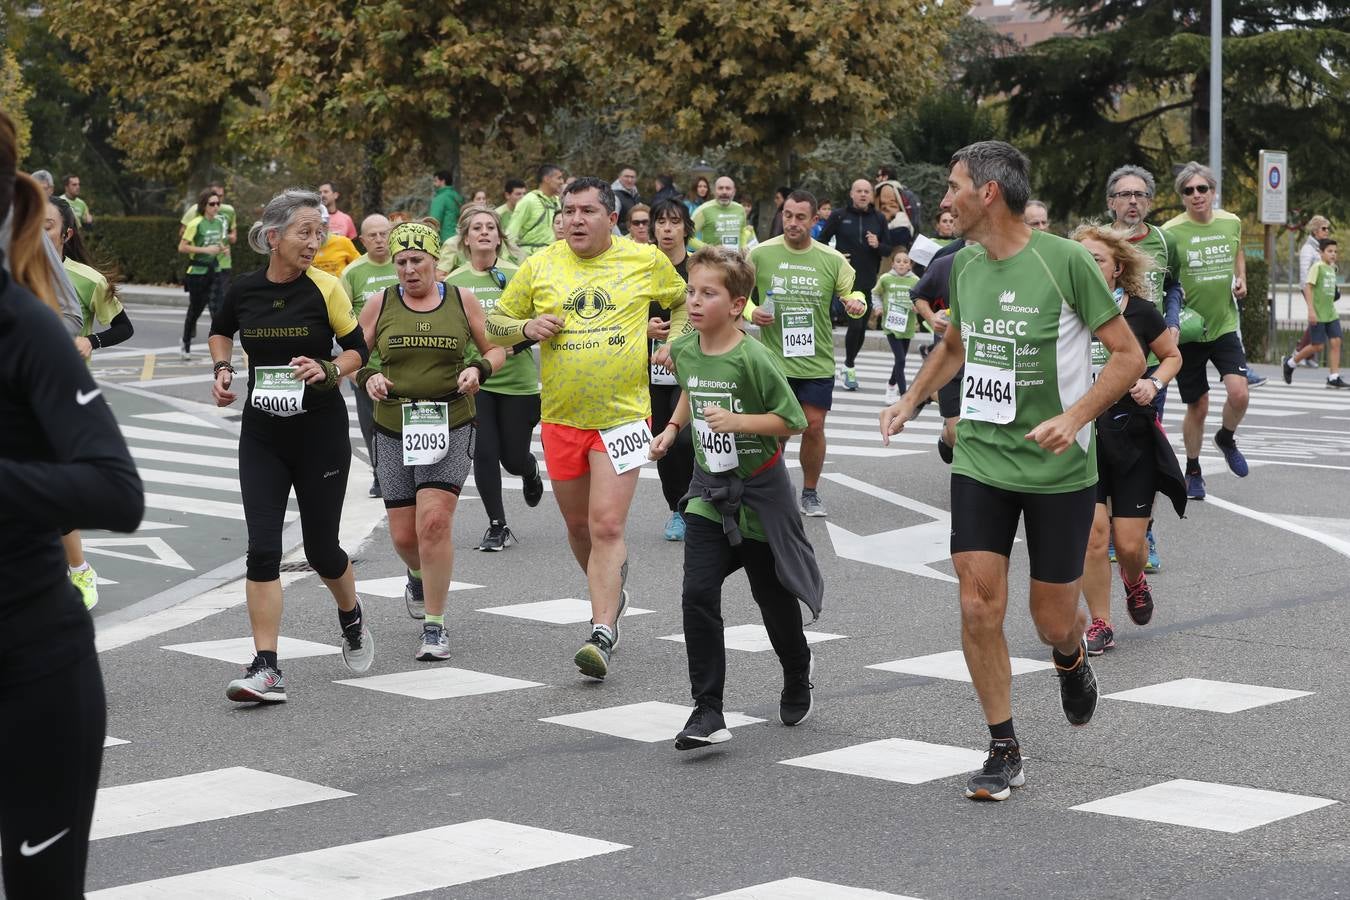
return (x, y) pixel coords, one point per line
(1017, 20)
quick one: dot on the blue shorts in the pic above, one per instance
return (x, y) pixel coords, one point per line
(818, 392)
(1320, 332)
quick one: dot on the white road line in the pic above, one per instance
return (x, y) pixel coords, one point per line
(1340, 546)
(133, 432)
(198, 507)
(228, 464)
(387, 867)
(189, 479)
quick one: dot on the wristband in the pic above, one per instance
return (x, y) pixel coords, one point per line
(94, 342)
(484, 370)
(222, 364)
(364, 374)
(331, 375)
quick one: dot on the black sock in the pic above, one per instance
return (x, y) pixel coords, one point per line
(1223, 437)
(1003, 731)
(269, 657)
(1192, 465)
(347, 619)
(1066, 662)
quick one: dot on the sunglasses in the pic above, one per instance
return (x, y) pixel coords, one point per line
(1130, 195)
(214, 203)
(1196, 188)
(637, 222)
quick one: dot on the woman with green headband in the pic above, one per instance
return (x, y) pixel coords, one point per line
(424, 436)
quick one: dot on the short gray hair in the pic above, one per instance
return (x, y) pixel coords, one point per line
(1001, 163)
(278, 214)
(1192, 169)
(43, 177)
(1139, 172)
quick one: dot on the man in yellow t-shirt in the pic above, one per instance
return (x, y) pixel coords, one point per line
(585, 300)
(337, 253)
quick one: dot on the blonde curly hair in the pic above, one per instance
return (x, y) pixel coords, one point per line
(1134, 263)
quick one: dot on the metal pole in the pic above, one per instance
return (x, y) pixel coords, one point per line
(1216, 96)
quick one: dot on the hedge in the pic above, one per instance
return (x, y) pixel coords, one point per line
(144, 249)
(1256, 310)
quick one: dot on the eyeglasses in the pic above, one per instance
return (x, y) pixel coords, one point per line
(642, 222)
(214, 203)
(1130, 195)
(1195, 188)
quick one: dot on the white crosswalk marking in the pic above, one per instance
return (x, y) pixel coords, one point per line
(386, 867)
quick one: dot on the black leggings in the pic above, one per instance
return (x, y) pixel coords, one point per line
(900, 349)
(505, 424)
(51, 750)
(312, 453)
(853, 338)
(201, 292)
(676, 468)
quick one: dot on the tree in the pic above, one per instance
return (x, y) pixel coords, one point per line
(1133, 87)
(767, 79)
(14, 96)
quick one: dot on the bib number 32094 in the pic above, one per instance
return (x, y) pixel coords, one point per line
(426, 433)
(627, 445)
(277, 392)
(989, 389)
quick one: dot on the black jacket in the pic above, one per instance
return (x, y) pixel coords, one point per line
(850, 227)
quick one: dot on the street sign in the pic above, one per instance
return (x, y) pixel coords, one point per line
(1273, 200)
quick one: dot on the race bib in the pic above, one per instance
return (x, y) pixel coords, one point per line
(660, 374)
(990, 389)
(799, 333)
(731, 240)
(897, 316)
(426, 433)
(719, 450)
(1099, 357)
(626, 445)
(277, 392)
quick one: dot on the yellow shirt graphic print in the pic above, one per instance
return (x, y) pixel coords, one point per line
(594, 371)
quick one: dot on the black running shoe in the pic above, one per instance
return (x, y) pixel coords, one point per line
(1287, 369)
(1001, 773)
(704, 728)
(497, 538)
(795, 704)
(1078, 689)
(945, 450)
(534, 487)
(1139, 601)
(1099, 638)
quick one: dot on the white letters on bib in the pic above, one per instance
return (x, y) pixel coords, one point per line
(426, 433)
(990, 388)
(277, 392)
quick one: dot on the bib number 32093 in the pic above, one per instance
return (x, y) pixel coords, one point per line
(989, 389)
(626, 445)
(426, 433)
(277, 392)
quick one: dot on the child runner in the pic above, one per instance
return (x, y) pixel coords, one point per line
(897, 316)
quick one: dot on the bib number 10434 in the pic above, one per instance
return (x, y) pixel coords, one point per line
(799, 332)
(989, 388)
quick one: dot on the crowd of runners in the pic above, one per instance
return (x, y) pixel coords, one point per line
(628, 333)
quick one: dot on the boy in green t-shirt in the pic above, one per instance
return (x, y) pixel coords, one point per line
(891, 296)
(1319, 290)
(740, 406)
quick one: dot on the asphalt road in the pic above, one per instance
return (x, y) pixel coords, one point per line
(1224, 781)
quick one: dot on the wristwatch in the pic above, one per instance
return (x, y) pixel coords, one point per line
(1156, 383)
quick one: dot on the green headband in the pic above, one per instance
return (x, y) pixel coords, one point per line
(414, 236)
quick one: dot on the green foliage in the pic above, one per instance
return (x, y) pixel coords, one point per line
(942, 123)
(1256, 310)
(15, 92)
(138, 249)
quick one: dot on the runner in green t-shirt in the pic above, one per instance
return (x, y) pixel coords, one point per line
(1319, 290)
(531, 225)
(796, 278)
(370, 273)
(205, 239)
(77, 203)
(741, 408)
(514, 191)
(891, 297)
(1024, 307)
(508, 404)
(1213, 271)
(721, 221)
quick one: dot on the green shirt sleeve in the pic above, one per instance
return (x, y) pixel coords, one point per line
(527, 210)
(773, 387)
(1088, 295)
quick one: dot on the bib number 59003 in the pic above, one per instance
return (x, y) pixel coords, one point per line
(277, 392)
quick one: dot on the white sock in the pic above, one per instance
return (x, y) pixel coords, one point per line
(80, 568)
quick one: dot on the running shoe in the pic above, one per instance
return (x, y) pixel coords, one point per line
(1154, 564)
(675, 527)
(945, 451)
(704, 728)
(1310, 363)
(375, 488)
(623, 608)
(850, 380)
(811, 505)
(925, 349)
(1287, 369)
(1255, 379)
(593, 657)
(413, 596)
(435, 643)
(534, 487)
(260, 684)
(795, 703)
(1138, 600)
(1111, 550)
(892, 393)
(358, 646)
(1335, 381)
(86, 580)
(1237, 463)
(1078, 689)
(1099, 638)
(497, 538)
(1001, 773)
(185, 355)
(1195, 487)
